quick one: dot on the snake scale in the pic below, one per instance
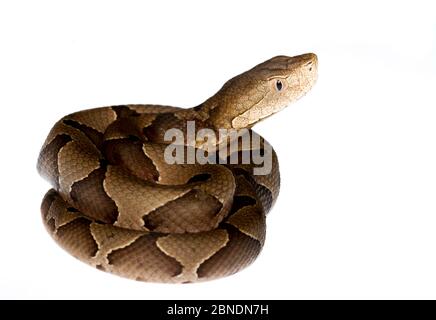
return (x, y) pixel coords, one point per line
(118, 205)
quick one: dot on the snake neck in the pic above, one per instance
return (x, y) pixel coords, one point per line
(201, 113)
(215, 113)
(184, 120)
(204, 111)
(192, 122)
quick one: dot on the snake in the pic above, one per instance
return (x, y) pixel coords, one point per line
(119, 205)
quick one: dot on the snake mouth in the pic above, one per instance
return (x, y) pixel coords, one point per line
(253, 115)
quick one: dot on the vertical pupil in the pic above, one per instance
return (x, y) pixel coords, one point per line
(279, 85)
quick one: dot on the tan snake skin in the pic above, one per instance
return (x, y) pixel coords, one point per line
(117, 205)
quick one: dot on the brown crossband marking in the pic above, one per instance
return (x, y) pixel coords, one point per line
(76, 238)
(143, 259)
(130, 155)
(240, 202)
(192, 212)
(240, 251)
(93, 135)
(100, 206)
(265, 197)
(124, 111)
(48, 159)
(47, 202)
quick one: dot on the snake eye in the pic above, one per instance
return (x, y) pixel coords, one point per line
(279, 85)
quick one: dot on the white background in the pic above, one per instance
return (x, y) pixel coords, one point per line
(356, 217)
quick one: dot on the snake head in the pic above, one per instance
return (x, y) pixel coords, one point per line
(263, 90)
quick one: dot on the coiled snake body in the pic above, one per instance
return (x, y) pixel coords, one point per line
(118, 205)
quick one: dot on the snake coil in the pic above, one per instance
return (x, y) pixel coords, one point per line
(118, 205)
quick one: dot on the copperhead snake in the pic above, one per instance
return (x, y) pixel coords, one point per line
(117, 205)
